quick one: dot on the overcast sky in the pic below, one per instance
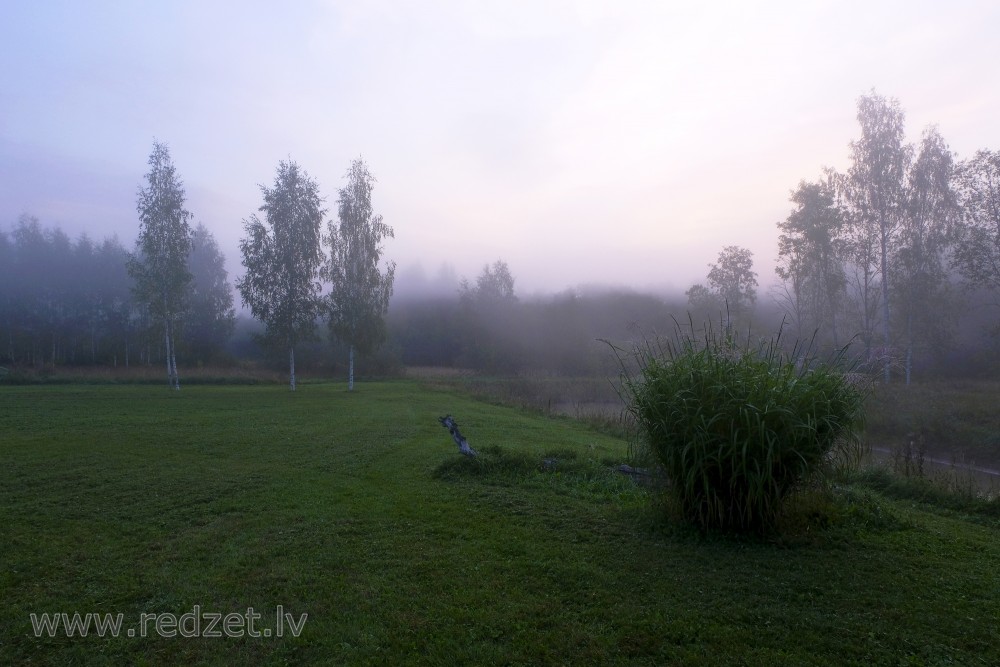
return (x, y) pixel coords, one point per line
(617, 142)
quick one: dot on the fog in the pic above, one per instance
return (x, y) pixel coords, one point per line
(615, 144)
(69, 302)
(628, 166)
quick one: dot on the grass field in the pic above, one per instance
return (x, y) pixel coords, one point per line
(357, 510)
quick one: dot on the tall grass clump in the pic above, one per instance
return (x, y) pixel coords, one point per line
(738, 426)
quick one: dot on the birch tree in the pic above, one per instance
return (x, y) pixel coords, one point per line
(159, 265)
(282, 255)
(360, 292)
(925, 234)
(877, 195)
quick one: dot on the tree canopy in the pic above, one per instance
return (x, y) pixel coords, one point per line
(810, 251)
(977, 254)
(494, 286)
(159, 266)
(282, 255)
(876, 192)
(359, 292)
(733, 279)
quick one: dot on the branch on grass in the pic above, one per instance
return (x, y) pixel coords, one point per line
(463, 445)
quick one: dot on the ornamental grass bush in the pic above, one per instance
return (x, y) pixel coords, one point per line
(738, 427)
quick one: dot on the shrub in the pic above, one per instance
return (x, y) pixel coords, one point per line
(738, 427)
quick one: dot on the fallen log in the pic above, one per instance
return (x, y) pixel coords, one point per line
(463, 445)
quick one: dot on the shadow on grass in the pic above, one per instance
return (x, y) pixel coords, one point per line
(821, 517)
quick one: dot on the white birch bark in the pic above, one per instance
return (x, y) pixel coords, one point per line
(350, 372)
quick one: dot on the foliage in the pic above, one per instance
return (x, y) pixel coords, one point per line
(494, 286)
(977, 255)
(159, 266)
(701, 299)
(359, 294)
(282, 255)
(876, 193)
(921, 286)
(810, 256)
(734, 279)
(732, 282)
(738, 429)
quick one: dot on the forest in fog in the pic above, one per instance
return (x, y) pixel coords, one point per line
(898, 256)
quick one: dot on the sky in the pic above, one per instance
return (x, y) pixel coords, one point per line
(620, 143)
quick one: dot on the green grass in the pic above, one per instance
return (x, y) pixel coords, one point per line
(358, 510)
(593, 400)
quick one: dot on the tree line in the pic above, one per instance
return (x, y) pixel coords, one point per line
(892, 248)
(889, 255)
(890, 252)
(65, 302)
(283, 254)
(892, 256)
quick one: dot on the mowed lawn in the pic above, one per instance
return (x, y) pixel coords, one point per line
(356, 509)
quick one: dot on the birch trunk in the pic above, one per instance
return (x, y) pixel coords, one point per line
(173, 362)
(885, 304)
(909, 346)
(166, 341)
(175, 381)
(291, 366)
(350, 372)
